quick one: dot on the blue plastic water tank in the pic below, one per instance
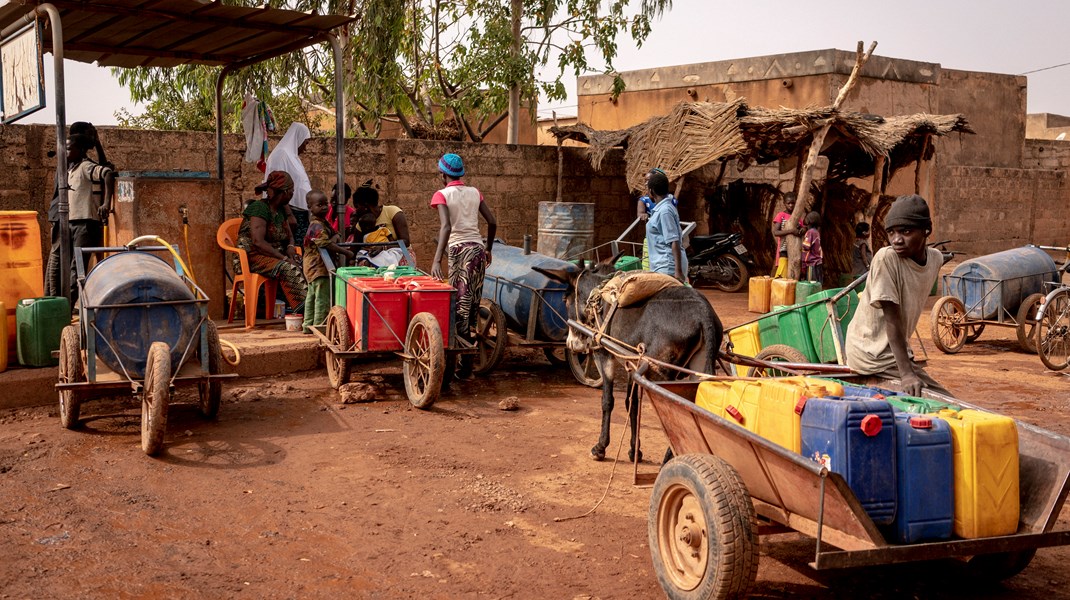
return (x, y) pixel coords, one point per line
(510, 282)
(925, 502)
(1003, 279)
(855, 438)
(127, 332)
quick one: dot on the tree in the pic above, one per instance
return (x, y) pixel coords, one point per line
(424, 60)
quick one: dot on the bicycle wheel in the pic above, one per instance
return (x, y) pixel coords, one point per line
(1053, 332)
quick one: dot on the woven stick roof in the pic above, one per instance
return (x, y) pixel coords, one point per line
(695, 134)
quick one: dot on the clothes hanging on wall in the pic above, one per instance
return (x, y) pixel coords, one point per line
(257, 120)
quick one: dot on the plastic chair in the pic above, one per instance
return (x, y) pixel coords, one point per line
(250, 283)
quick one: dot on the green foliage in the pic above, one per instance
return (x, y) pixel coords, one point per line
(412, 59)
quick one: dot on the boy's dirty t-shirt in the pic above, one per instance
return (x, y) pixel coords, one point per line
(320, 234)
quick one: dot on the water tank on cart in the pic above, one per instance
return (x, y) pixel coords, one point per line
(1003, 279)
(511, 283)
(139, 280)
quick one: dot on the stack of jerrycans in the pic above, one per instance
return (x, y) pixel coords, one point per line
(770, 408)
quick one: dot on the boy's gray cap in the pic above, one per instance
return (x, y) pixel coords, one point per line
(909, 211)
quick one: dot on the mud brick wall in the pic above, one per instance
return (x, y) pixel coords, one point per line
(514, 179)
(985, 210)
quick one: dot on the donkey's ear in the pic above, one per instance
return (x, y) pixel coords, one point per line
(613, 259)
(563, 275)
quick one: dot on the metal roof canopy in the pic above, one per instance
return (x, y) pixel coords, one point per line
(167, 33)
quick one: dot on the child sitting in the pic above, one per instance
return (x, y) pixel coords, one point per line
(370, 233)
(319, 235)
(812, 258)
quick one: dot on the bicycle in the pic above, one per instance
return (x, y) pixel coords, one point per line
(1053, 319)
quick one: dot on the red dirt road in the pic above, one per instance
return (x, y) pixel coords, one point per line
(293, 495)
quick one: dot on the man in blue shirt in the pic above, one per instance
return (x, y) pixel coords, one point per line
(663, 233)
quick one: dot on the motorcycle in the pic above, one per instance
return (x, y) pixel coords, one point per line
(720, 259)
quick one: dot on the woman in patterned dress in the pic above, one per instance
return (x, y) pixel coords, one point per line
(265, 236)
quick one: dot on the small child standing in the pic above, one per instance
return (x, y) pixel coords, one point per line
(861, 255)
(812, 258)
(320, 234)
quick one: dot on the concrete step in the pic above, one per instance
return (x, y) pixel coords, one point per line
(265, 351)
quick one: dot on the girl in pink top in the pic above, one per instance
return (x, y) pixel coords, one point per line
(459, 208)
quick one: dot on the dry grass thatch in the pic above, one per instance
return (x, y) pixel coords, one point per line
(695, 134)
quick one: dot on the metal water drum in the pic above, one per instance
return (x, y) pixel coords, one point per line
(21, 266)
(566, 229)
(131, 284)
(1000, 280)
(512, 283)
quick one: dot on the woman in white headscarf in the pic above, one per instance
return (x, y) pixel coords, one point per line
(285, 157)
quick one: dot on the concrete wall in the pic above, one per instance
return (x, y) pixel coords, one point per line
(1046, 154)
(514, 179)
(985, 209)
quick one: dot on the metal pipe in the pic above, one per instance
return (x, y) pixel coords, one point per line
(527, 243)
(65, 250)
(339, 136)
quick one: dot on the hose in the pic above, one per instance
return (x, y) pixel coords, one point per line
(237, 355)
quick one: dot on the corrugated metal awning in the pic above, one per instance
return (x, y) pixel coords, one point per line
(165, 33)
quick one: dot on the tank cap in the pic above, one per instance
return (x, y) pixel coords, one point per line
(871, 425)
(921, 422)
(734, 412)
(800, 405)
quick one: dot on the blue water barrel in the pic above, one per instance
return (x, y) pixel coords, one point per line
(127, 332)
(1002, 279)
(510, 282)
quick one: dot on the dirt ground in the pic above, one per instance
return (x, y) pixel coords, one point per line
(291, 494)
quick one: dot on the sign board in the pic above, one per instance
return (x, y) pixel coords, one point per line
(22, 87)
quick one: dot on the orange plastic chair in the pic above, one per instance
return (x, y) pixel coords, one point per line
(227, 236)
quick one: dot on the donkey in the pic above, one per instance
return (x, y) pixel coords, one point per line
(676, 325)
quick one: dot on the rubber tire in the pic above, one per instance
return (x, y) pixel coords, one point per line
(993, 568)
(974, 331)
(424, 369)
(491, 337)
(727, 565)
(1027, 322)
(1057, 316)
(774, 353)
(212, 392)
(155, 396)
(340, 334)
(70, 371)
(946, 324)
(584, 368)
(740, 267)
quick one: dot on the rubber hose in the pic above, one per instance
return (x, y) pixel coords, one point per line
(237, 355)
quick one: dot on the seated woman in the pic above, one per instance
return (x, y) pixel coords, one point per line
(265, 236)
(366, 201)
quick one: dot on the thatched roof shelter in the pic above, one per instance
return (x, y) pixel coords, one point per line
(695, 134)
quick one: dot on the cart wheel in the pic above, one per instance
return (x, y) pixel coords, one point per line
(1027, 322)
(993, 568)
(732, 264)
(491, 337)
(70, 371)
(154, 397)
(556, 355)
(702, 530)
(340, 334)
(776, 353)
(947, 324)
(974, 331)
(584, 367)
(1053, 332)
(423, 370)
(211, 392)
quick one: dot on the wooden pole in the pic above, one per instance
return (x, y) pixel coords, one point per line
(921, 159)
(802, 191)
(878, 187)
(560, 161)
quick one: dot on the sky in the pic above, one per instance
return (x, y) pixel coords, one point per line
(998, 36)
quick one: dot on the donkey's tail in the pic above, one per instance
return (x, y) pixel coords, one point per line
(712, 336)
